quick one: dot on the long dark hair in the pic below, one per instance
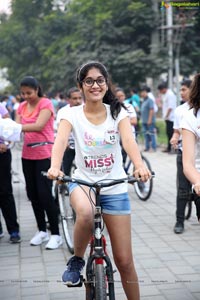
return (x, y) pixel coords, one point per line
(32, 82)
(195, 93)
(109, 97)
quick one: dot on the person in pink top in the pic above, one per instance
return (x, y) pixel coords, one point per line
(36, 114)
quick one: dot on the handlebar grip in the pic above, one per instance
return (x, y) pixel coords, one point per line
(59, 178)
(44, 173)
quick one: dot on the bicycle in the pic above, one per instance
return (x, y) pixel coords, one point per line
(143, 189)
(99, 280)
(61, 196)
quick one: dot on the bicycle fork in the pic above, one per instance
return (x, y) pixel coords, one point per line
(98, 256)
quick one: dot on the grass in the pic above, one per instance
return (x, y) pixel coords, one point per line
(161, 134)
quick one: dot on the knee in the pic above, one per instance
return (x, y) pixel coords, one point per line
(124, 263)
(84, 217)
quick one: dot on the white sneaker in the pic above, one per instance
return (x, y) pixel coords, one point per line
(54, 242)
(39, 238)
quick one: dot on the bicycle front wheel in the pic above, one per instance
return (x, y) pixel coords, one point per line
(144, 189)
(67, 215)
(100, 282)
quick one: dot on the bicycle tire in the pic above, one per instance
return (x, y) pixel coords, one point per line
(188, 210)
(67, 215)
(100, 282)
(144, 189)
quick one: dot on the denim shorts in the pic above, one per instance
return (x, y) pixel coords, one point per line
(115, 204)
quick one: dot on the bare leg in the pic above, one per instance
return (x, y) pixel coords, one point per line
(119, 228)
(84, 220)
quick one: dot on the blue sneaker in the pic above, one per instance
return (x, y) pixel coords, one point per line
(71, 276)
(15, 238)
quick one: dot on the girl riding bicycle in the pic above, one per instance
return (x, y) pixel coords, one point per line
(97, 127)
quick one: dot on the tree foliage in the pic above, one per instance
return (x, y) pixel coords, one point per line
(45, 41)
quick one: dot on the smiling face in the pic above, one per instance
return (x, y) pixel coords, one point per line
(94, 86)
(29, 94)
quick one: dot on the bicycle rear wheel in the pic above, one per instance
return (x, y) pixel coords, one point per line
(144, 189)
(67, 215)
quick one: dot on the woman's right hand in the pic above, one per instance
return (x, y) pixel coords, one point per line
(54, 173)
(174, 142)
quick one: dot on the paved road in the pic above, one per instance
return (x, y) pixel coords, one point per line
(168, 265)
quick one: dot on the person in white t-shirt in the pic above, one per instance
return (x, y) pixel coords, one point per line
(97, 127)
(183, 184)
(168, 107)
(191, 141)
(74, 98)
(120, 95)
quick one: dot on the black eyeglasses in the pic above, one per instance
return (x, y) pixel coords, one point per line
(90, 81)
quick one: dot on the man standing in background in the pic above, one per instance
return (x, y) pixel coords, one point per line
(168, 108)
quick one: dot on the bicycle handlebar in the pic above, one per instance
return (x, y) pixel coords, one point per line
(100, 183)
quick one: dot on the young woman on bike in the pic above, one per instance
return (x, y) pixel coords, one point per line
(36, 115)
(191, 141)
(97, 126)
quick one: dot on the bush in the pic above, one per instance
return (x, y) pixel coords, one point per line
(161, 133)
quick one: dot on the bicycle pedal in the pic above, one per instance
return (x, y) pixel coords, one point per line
(79, 284)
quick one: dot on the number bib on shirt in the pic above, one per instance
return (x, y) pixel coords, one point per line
(111, 136)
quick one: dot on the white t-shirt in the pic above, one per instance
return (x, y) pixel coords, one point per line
(131, 113)
(179, 113)
(192, 123)
(98, 152)
(168, 101)
(10, 130)
(60, 113)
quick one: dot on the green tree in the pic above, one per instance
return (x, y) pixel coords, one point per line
(50, 39)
